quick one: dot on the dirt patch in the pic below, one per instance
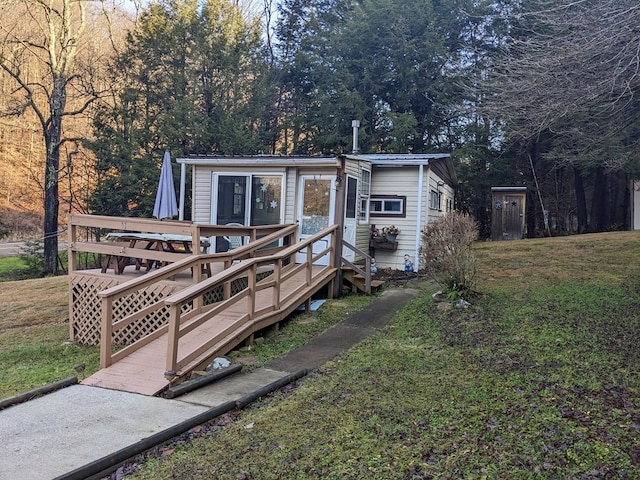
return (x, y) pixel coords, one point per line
(19, 225)
(396, 277)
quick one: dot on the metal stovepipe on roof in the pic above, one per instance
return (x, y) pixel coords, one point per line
(355, 124)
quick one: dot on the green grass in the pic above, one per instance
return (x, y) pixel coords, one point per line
(13, 268)
(23, 268)
(301, 327)
(540, 378)
(34, 333)
(38, 355)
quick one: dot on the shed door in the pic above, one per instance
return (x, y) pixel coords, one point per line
(513, 217)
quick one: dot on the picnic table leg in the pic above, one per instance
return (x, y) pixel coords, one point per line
(121, 263)
(105, 263)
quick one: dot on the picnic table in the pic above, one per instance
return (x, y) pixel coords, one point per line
(150, 241)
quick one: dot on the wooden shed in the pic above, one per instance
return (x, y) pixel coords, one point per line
(508, 212)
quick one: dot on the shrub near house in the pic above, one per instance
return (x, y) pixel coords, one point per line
(446, 251)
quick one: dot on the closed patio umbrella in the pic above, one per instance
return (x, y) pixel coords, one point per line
(165, 206)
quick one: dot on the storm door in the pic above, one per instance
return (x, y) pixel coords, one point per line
(316, 207)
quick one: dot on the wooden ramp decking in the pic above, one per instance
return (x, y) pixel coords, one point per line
(143, 371)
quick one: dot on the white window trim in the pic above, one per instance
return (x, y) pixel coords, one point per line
(234, 173)
(388, 212)
(365, 197)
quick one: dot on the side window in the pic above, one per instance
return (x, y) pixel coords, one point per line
(365, 192)
(388, 206)
(435, 200)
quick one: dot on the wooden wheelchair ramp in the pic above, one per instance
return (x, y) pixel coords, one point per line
(213, 331)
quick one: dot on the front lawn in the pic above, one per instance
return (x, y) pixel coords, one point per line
(539, 378)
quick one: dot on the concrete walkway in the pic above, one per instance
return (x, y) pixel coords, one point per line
(86, 432)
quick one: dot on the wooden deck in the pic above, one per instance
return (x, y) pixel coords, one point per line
(155, 327)
(143, 370)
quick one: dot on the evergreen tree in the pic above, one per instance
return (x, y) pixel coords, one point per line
(395, 66)
(190, 79)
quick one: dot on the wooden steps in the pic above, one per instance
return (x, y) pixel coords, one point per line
(357, 281)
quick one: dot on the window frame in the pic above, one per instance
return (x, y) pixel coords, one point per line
(435, 200)
(388, 213)
(365, 196)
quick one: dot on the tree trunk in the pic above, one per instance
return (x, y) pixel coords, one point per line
(533, 198)
(581, 201)
(620, 201)
(599, 202)
(51, 207)
(53, 134)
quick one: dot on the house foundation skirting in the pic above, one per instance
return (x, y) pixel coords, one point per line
(85, 315)
(86, 309)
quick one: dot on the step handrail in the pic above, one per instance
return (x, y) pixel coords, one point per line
(245, 268)
(366, 272)
(110, 295)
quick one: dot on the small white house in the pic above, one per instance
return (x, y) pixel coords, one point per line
(356, 192)
(407, 191)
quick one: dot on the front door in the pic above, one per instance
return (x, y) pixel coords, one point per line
(350, 217)
(316, 207)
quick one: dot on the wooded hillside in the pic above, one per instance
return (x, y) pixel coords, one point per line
(86, 112)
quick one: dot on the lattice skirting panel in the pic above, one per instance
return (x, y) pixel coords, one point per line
(86, 309)
(216, 294)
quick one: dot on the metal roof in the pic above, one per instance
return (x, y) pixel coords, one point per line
(397, 160)
(262, 160)
(508, 189)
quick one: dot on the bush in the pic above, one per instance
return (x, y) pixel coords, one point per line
(446, 252)
(33, 256)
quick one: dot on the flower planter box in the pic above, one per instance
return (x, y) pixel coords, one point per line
(383, 245)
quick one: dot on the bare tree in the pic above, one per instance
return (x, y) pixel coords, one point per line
(573, 68)
(565, 89)
(39, 46)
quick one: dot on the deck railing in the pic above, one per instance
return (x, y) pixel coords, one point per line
(283, 236)
(366, 271)
(101, 225)
(284, 267)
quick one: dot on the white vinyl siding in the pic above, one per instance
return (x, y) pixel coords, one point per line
(391, 182)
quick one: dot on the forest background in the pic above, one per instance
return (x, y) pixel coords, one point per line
(535, 93)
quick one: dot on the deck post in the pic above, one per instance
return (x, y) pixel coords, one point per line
(196, 271)
(367, 275)
(106, 332)
(226, 289)
(72, 254)
(251, 285)
(309, 263)
(277, 273)
(173, 337)
(333, 290)
(73, 265)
